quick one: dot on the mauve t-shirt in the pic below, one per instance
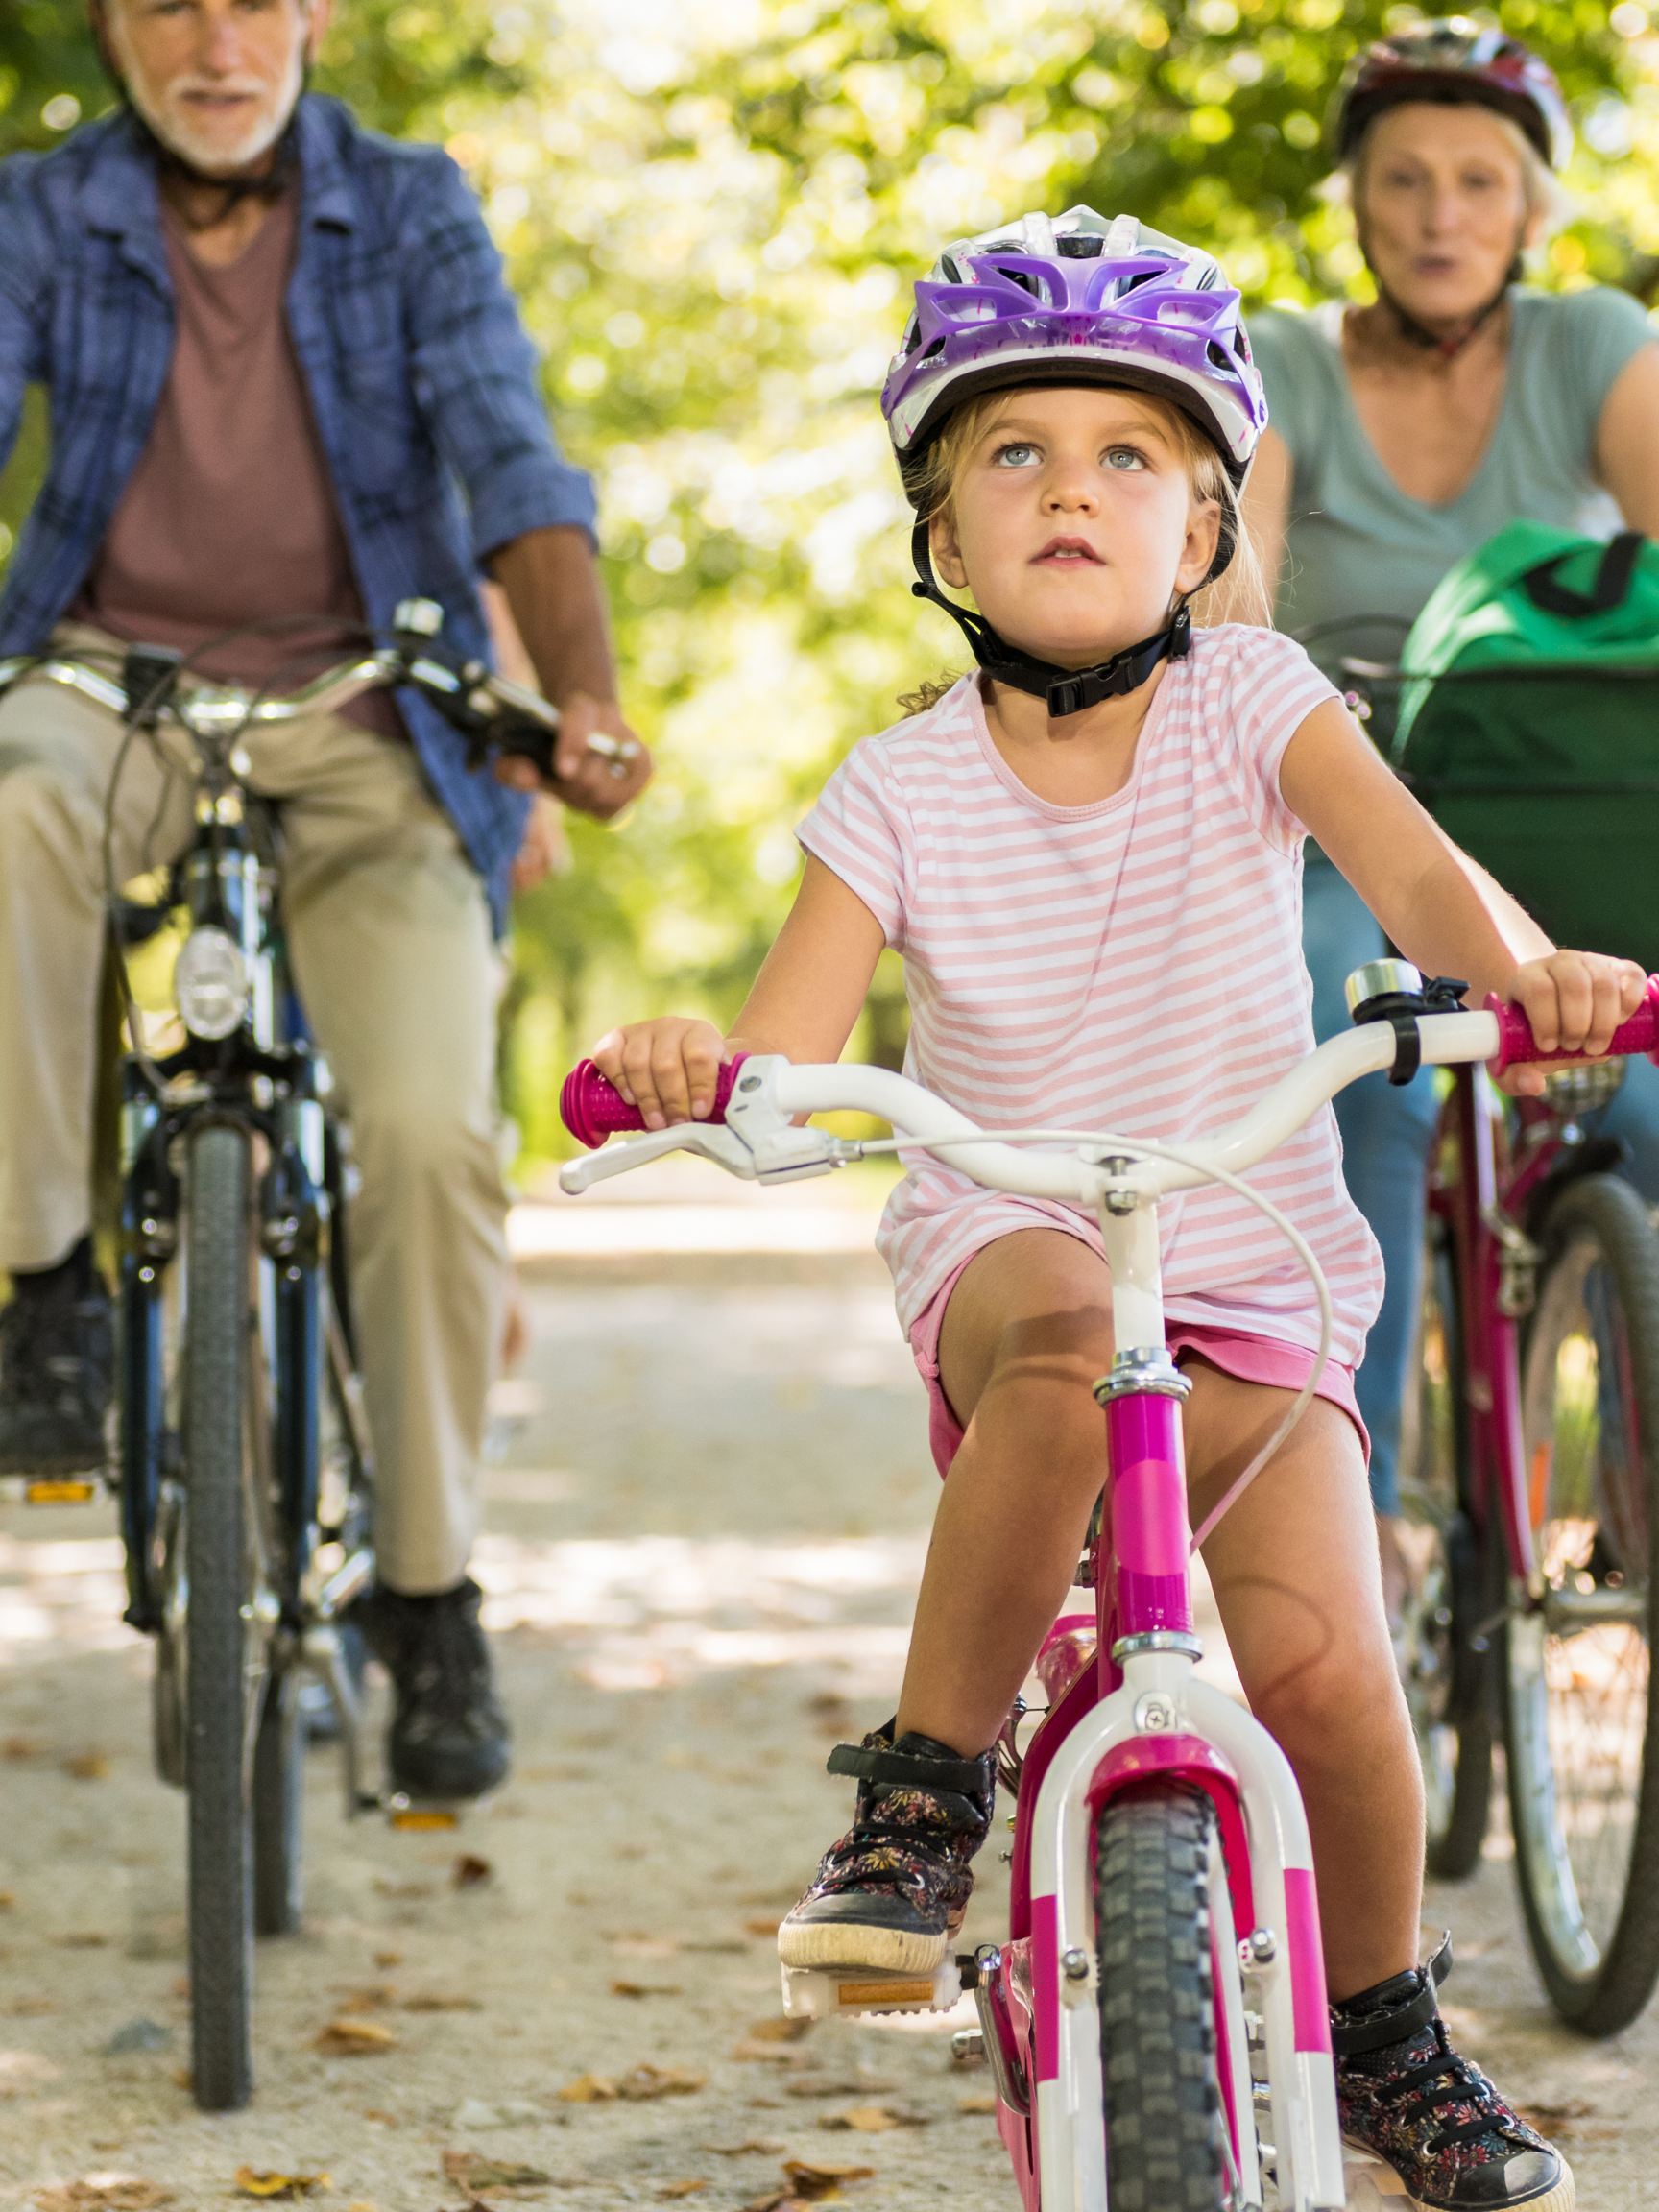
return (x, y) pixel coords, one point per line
(230, 516)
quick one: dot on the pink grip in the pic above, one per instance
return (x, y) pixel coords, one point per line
(1639, 1034)
(593, 1109)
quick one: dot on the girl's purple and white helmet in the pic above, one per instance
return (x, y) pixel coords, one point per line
(1075, 299)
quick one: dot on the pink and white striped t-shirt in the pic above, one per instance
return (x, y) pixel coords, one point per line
(1135, 964)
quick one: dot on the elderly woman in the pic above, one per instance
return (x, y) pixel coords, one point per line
(1405, 434)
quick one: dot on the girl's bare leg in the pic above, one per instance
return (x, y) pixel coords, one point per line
(1295, 1572)
(1027, 1330)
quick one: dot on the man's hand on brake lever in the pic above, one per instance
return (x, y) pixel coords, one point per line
(598, 783)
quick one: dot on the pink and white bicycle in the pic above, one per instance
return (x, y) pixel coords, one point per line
(1162, 1970)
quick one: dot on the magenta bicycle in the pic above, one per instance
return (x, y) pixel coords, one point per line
(1141, 1780)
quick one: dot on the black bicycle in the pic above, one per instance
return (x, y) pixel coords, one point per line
(243, 1465)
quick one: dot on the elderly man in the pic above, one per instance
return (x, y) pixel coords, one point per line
(286, 379)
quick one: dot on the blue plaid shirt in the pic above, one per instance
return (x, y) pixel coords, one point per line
(421, 377)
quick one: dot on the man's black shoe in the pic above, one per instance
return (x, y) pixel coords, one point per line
(56, 1364)
(448, 1733)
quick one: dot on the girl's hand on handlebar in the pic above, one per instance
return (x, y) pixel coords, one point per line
(1574, 1001)
(667, 1067)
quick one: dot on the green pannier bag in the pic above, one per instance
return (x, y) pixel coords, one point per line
(1529, 728)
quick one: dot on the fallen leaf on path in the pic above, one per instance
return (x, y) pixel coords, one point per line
(640, 2084)
(82, 1939)
(386, 1959)
(374, 1999)
(30, 2007)
(981, 2103)
(682, 2188)
(870, 2120)
(766, 1927)
(382, 2119)
(7, 1900)
(21, 1747)
(588, 2089)
(436, 2001)
(777, 2030)
(470, 1871)
(348, 2038)
(645, 1989)
(108, 2191)
(809, 2180)
(763, 2143)
(88, 1765)
(479, 2175)
(726, 1950)
(253, 2182)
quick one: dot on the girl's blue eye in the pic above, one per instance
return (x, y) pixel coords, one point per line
(1015, 456)
(1124, 457)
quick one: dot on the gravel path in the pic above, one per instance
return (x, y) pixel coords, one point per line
(705, 1526)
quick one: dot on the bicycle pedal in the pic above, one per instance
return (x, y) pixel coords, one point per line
(61, 1490)
(418, 1814)
(831, 1992)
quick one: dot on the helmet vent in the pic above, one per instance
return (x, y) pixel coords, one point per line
(937, 347)
(1080, 247)
(1215, 354)
(1025, 280)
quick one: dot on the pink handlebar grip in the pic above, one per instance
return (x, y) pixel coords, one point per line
(593, 1109)
(1515, 1045)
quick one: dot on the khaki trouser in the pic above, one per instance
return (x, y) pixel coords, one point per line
(389, 938)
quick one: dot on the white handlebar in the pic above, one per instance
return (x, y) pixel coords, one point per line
(759, 1140)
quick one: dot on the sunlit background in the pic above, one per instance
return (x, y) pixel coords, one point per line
(712, 210)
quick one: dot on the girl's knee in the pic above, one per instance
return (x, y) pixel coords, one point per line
(1341, 1702)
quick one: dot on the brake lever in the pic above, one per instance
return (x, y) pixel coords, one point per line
(721, 1146)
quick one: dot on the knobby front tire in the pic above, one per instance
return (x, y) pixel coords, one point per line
(221, 1886)
(1165, 2129)
(1581, 1733)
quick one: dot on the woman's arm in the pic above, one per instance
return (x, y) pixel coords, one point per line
(1445, 913)
(804, 1001)
(1627, 442)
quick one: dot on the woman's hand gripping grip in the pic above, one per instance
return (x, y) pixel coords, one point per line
(593, 1108)
(1515, 1044)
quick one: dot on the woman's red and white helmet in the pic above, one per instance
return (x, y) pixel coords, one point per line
(1455, 63)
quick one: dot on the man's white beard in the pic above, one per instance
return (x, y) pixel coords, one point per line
(169, 116)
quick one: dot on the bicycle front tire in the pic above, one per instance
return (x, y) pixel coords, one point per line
(220, 1871)
(1159, 2068)
(1581, 1731)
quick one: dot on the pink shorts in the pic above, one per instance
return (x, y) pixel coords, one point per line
(1252, 1358)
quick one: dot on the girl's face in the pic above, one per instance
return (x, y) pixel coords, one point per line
(1441, 207)
(1074, 525)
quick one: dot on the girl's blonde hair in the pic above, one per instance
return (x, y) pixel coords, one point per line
(938, 479)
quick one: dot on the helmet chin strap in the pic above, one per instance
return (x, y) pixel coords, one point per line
(1065, 690)
(270, 188)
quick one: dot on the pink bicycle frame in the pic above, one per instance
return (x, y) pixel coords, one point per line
(1125, 1704)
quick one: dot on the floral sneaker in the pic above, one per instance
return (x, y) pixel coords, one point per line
(892, 1892)
(1406, 2095)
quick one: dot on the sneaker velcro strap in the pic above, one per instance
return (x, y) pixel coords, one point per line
(909, 1769)
(1352, 2038)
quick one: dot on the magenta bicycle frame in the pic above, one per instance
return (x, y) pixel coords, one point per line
(1124, 1706)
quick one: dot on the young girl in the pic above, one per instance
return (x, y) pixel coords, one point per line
(1094, 841)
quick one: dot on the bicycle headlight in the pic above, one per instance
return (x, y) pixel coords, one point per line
(210, 983)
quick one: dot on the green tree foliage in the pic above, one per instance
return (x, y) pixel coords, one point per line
(712, 211)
